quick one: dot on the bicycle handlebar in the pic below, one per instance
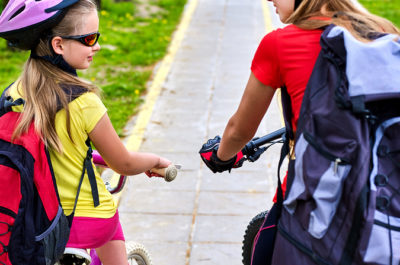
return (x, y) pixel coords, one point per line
(98, 160)
(254, 149)
(169, 173)
(275, 135)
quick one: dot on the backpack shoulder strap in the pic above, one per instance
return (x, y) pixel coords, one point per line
(72, 92)
(287, 113)
(7, 102)
(87, 167)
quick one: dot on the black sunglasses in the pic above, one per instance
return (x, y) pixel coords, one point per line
(87, 39)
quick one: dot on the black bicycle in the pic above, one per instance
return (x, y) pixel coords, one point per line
(252, 152)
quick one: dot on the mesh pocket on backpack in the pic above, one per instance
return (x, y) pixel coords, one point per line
(6, 223)
(10, 199)
(55, 238)
(317, 187)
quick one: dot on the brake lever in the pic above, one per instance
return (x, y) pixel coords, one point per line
(250, 148)
(254, 149)
(253, 152)
(256, 155)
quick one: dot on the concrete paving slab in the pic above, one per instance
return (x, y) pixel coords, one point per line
(189, 161)
(186, 181)
(216, 254)
(156, 228)
(233, 203)
(167, 253)
(225, 229)
(244, 182)
(159, 201)
(200, 218)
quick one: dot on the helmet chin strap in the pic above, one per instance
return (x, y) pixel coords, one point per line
(55, 59)
(297, 3)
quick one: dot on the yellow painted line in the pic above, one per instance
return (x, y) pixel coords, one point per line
(135, 139)
(269, 28)
(267, 16)
(144, 116)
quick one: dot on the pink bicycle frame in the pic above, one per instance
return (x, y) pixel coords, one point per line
(99, 161)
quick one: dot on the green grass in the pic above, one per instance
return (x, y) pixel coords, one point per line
(11, 63)
(389, 9)
(134, 37)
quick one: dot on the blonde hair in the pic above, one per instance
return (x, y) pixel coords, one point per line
(342, 13)
(41, 82)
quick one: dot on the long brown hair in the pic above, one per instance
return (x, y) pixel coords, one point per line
(41, 82)
(342, 13)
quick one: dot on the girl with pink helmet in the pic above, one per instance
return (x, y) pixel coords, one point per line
(67, 111)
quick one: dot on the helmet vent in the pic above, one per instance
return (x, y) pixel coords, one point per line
(19, 11)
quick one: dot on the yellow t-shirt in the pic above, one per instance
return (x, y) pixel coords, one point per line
(85, 112)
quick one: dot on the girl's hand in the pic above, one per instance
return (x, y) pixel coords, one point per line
(162, 163)
(152, 174)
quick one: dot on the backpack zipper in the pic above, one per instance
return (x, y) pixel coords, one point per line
(8, 212)
(337, 160)
(335, 166)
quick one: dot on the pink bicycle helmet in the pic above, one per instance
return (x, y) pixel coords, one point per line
(23, 22)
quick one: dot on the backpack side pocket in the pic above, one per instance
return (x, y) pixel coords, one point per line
(10, 200)
(317, 187)
(7, 219)
(55, 238)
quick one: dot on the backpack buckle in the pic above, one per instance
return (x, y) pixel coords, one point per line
(359, 109)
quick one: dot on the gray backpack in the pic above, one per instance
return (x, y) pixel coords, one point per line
(342, 204)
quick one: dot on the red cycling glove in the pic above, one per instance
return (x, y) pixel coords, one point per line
(208, 153)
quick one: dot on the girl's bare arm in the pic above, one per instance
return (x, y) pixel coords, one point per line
(115, 154)
(244, 123)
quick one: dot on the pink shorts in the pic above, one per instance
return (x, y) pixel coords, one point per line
(89, 232)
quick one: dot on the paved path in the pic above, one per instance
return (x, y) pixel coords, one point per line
(200, 218)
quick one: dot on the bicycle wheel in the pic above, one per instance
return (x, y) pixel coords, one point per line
(249, 236)
(137, 254)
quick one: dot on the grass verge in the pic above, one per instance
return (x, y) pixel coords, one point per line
(389, 9)
(134, 36)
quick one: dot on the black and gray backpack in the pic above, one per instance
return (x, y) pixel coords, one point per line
(342, 204)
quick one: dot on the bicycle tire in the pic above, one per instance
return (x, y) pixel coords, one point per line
(249, 235)
(137, 254)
